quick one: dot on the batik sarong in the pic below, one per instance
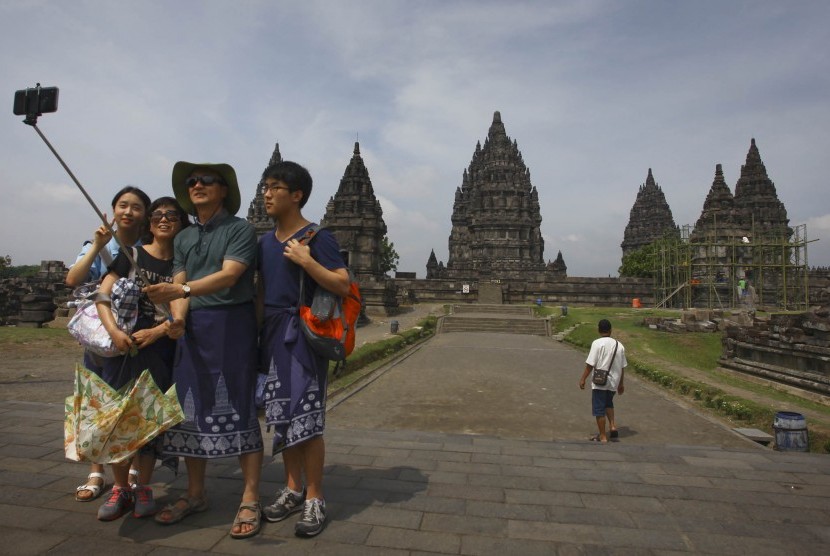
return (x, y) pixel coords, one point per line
(295, 390)
(215, 375)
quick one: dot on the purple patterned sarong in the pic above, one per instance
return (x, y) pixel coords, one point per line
(215, 375)
(295, 390)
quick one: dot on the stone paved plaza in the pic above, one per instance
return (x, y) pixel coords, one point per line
(427, 459)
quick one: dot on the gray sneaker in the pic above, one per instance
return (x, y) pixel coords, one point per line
(313, 519)
(145, 505)
(119, 502)
(287, 503)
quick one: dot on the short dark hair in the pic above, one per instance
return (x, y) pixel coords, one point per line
(604, 326)
(184, 218)
(293, 175)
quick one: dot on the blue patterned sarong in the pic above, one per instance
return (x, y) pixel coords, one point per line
(215, 375)
(295, 390)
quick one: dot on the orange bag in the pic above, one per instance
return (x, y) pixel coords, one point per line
(329, 322)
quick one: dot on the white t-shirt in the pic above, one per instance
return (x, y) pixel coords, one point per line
(600, 355)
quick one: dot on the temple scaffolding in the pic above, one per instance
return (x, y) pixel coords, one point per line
(718, 270)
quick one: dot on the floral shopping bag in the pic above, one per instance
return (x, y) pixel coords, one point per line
(103, 425)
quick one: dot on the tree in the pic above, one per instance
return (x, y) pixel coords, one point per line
(666, 251)
(389, 258)
(639, 263)
(5, 266)
(9, 271)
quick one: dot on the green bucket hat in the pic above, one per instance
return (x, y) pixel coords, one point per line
(182, 170)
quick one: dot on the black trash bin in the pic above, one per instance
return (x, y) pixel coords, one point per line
(393, 327)
(564, 310)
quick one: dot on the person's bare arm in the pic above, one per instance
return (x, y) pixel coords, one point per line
(79, 271)
(103, 303)
(212, 283)
(585, 373)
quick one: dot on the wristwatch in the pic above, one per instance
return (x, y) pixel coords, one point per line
(186, 290)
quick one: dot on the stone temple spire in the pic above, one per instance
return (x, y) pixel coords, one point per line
(496, 218)
(650, 218)
(256, 210)
(758, 209)
(718, 215)
(355, 217)
(432, 265)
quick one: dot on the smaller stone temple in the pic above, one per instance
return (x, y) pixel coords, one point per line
(757, 207)
(650, 219)
(356, 217)
(753, 214)
(557, 268)
(741, 251)
(256, 210)
(718, 229)
(718, 219)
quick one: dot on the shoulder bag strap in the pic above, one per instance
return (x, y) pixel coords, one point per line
(305, 239)
(613, 355)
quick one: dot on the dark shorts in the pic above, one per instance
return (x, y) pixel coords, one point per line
(601, 400)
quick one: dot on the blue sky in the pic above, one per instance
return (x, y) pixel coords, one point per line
(594, 92)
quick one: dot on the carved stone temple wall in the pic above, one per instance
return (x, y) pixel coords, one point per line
(792, 349)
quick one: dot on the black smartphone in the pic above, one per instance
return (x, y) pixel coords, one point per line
(35, 101)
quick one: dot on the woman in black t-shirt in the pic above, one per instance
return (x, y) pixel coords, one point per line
(147, 347)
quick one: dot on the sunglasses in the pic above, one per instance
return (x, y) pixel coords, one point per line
(206, 180)
(170, 215)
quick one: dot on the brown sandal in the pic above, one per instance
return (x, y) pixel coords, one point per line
(256, 521)
(194, 506)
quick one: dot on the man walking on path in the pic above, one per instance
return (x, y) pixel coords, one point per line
(606, 353)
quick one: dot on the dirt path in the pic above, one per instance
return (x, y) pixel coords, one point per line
(41, 370)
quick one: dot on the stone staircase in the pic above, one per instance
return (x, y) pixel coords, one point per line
(503, 319)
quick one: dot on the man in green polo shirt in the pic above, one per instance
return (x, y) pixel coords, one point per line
(211, 301)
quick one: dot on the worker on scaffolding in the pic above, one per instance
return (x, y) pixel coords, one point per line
(750, 296)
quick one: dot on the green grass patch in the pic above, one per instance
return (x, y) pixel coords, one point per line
(12, 337)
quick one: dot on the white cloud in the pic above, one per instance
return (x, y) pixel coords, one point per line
(819, 224)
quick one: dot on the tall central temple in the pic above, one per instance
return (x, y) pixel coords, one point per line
(496, 217)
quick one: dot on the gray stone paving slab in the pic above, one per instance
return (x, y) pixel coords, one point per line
(465, 524)
(488, 546)
(21, 542)
(429, 541)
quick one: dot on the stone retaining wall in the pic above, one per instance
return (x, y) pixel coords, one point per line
(792, 349)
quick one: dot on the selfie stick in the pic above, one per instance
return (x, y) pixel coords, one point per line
(32, 121)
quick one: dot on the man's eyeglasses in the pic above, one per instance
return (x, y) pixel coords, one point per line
(206, 180)
(274, 188)
(170, 215)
